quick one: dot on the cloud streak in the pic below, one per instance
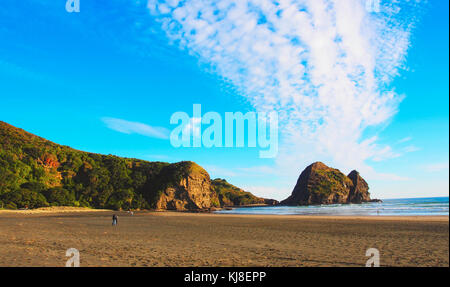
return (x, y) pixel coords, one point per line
(436, 167)
(128, 127)
(324, 65)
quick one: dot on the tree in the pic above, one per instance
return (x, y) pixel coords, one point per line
(59, 196)
(24, 198)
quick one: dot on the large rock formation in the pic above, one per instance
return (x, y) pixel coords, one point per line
(190, 189)
(320, 184)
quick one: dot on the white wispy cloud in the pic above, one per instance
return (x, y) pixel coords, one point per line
(324, 65)
(403, 140)
(436, 167)
(128, 127)
(410, 148)
(217, 171)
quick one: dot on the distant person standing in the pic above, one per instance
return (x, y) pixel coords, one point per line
(114, 218)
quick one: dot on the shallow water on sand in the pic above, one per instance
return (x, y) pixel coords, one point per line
(403, 206)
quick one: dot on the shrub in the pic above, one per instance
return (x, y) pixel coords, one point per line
(60, 197)
(24, 198)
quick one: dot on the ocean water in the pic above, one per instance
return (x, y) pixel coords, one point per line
(404, 206)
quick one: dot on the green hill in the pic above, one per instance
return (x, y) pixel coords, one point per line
(230, 195)
(35, 172)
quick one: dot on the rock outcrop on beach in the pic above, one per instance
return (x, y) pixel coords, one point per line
(35, 172)
(320, 184)
(187, 187)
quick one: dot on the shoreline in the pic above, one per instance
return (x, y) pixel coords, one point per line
(435, 218)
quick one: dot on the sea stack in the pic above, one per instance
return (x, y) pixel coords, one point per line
(320, 184)
(359, 191)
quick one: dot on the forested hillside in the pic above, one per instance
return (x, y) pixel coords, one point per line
(35, 172)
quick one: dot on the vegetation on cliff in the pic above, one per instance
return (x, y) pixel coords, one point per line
(35, 172)
(230, 195)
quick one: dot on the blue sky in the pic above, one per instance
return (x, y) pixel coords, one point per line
(62, 73)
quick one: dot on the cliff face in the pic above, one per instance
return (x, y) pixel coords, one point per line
(35, 172)
(191, 191)
(320, 184)
(359, 191)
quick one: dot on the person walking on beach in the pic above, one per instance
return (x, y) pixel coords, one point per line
(114, 218)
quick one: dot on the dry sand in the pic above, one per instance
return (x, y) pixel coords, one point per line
(41, 238)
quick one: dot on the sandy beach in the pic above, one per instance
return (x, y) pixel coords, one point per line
(41, 238)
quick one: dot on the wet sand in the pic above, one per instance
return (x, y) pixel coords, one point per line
(187, 239)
